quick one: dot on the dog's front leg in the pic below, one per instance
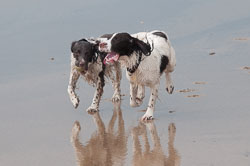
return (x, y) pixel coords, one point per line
(140, 94)
(94, 107)
(133, 93)
(116, 83)
(151, 105)
(74, 76)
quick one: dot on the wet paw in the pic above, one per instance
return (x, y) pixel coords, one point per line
(146, 118)
(170, 89)
(92, 110)
(116, 98)
(139, 101)
(133, 104)
(75, 101)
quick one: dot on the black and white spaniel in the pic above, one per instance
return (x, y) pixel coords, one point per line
(87, 61)
(146, 56)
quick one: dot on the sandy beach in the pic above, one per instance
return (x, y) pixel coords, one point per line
(205, 122)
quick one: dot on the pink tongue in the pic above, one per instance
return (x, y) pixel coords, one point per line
(110, 58)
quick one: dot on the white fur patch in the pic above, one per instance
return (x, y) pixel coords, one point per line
(148, 72)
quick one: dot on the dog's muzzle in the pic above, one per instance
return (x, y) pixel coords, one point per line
(103, 47)
(82, 64)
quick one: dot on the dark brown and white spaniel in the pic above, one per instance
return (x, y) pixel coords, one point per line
(146, 56)
(87, 61)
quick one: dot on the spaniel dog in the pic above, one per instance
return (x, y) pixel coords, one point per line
(146, 56)
(87, 61)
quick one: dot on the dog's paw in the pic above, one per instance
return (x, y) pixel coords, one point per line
(92, 110)
(133, 103)
(75, 101)
(139, 101)
(170, 89)
(116, 97)
(75, 130)
(147, 118)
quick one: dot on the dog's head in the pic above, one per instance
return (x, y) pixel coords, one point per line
(83, 52)
(123, 44)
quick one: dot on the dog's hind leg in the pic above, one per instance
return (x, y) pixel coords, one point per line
(98, 94)
(169, 83)
(74, 76)
(169, 69)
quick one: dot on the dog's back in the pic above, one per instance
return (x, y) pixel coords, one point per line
(152, 66)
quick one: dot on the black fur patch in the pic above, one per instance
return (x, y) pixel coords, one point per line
(161, 35)
(83, 40)
(134, 68)
(101, 75)
(164, 63)
(124, 44)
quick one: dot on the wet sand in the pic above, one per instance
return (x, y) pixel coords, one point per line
(205, 122)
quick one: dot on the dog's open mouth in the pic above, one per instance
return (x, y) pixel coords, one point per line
(111, 57)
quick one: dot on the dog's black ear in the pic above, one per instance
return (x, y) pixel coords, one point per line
(144, 47)
(73, 45)
(95, 46)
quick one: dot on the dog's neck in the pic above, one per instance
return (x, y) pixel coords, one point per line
(132, 62)
(134, 67)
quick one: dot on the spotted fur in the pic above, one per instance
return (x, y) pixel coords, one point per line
(87, 62)
(158, 57)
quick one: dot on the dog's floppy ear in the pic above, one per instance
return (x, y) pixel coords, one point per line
(144, 47)
(95, 46)
(73, 45)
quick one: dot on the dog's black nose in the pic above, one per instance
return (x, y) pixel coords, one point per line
(79, 63)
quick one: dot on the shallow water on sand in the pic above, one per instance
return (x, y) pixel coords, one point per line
(205, 122)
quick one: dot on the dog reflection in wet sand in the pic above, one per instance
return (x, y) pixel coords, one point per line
(105, 147)
(156, 156)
